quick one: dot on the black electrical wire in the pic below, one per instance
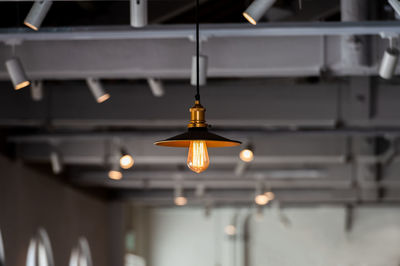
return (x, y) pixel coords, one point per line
(197, 97)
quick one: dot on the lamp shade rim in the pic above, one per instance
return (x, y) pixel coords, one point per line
(212, 140)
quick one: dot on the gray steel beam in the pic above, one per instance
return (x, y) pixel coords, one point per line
(165, 51)
(221, 197)
(226, 184)
(265, 106)
(264, 103)
(207, 31)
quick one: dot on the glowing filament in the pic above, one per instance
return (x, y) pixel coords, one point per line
(198, 159)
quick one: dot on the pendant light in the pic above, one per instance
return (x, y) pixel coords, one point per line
(197, 138)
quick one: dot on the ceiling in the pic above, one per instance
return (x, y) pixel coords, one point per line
(301, 87)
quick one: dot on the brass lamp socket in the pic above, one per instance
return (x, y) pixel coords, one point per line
(197, 116)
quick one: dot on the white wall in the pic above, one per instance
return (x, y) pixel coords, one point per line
(317, 237)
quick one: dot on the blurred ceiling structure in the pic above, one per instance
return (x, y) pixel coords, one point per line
(301, 87)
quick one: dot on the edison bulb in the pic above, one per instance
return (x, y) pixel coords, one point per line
(246, 155)
(126, 161)
(180, 201)
(115, 175)
(261, 199)
(198, 159)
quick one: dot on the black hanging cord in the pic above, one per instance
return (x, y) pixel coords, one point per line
(197, 97)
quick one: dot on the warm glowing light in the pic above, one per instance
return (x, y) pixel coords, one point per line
(246, 155)
(103, 98)
(180, 201)
(261, 199)
(270, 195)
(126, 161)
(198, 160)
(249, 18)
(115, 175)
(22, 85)
(230, 230)
(30, 25)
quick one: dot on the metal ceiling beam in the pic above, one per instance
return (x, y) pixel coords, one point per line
(266, 107)
(226, 184)
(207, 31)
(221, 197)
(237, 50)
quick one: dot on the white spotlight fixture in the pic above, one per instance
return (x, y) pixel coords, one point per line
(97, 90)
(395, 5)
(17, 73)
(260, 198)
(179, 198)
(389, 60)
(203, 61)
(56, 162)
(240, 168)
(270, 195)
(126, 161)
(156, 87)
(231, 229)
(138, 13)
(115, 172)
(257, 9)
(247, 154)
(37, 90)
(37, 14)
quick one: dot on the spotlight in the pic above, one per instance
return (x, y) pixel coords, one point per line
(138, 13)
(56, 162)
(126, 161)
(389, 63)
(230, 230)
(17, 73)
(247, 155)
(156, 87)
(37, 14)
(257, 9)
(115, 172)
(179, 198)
(180, 201)
(395, 5)
(37, 90)
(261, 199)
(203, 61)
(270, 195)
(97, 90)
(240, 168)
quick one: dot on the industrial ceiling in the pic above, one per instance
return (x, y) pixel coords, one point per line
(301, 87)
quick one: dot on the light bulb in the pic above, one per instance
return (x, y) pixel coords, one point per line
(180, 201)
(270, 195)
(246, 155)
(115, 175)
(230, 230)
(198, 160)
(261, 199)
(126, 161)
